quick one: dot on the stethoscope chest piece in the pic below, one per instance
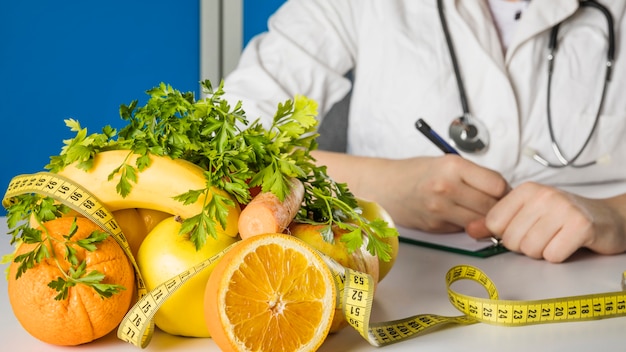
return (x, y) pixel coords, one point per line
(469, 134)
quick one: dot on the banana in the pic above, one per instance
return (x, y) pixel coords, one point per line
(156, 185)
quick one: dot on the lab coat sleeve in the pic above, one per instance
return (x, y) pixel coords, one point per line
(308, 49)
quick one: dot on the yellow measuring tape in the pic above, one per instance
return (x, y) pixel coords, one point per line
(355, 289)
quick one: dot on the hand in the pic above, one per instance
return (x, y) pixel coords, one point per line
(436, 194)
(544, 222)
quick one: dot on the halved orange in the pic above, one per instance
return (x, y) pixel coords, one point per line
(270, 292)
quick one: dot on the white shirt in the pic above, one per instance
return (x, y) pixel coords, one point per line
(506, 16)
(402, 71)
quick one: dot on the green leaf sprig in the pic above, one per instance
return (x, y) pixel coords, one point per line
(44, 209)
(332, 203)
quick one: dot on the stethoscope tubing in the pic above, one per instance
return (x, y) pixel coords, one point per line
(453, 59)
(552, 46)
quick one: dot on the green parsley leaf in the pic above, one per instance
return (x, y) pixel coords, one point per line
(77, 275)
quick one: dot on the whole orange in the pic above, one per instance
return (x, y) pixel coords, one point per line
(84, 315)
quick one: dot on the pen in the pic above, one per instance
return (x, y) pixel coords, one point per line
(423, 127)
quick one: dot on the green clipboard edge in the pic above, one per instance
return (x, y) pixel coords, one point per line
(484, 253)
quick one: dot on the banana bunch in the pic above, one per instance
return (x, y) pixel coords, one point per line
(155, 187)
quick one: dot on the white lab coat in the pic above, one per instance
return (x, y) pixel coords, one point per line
(402, 71)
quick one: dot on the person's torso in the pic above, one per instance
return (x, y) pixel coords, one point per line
(403, 72)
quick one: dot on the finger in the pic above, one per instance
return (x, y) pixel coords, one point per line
(463, 203)
(478, 229)
(449, 221)
(500, 219)
(485, 180)
(525, 221)
(440, 204)
(541, 222)
(561, 247)
(538, 236)
(567, 241)
(515, 232)
(461, 216)
(473, 199)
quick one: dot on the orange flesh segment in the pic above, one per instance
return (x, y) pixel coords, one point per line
(275, 299)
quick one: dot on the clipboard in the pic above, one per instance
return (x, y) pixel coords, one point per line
(458, 242)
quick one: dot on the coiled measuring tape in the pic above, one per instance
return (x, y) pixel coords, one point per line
(490, 310)
(355, 289)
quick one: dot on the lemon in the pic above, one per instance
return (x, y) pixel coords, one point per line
(164, 254)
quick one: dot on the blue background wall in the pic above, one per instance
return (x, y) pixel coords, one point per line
(82, 59)
(255, 14)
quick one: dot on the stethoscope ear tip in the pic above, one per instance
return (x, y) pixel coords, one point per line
(534, 154)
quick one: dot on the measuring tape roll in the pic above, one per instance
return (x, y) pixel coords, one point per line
(355, 289)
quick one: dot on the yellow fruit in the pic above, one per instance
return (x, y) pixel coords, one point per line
(270, 292)
(371, 211)
(360, 259)
(164, 254)
(156, 185)
(152, 217)
(132, 226)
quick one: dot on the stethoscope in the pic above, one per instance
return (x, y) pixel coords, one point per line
(470, 134)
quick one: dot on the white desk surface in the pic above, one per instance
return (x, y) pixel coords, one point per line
(415, 286)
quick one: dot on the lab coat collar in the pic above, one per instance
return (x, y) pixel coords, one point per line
(541, 15)
(475, 18)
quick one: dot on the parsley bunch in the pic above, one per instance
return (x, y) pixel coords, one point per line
(236, 154)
